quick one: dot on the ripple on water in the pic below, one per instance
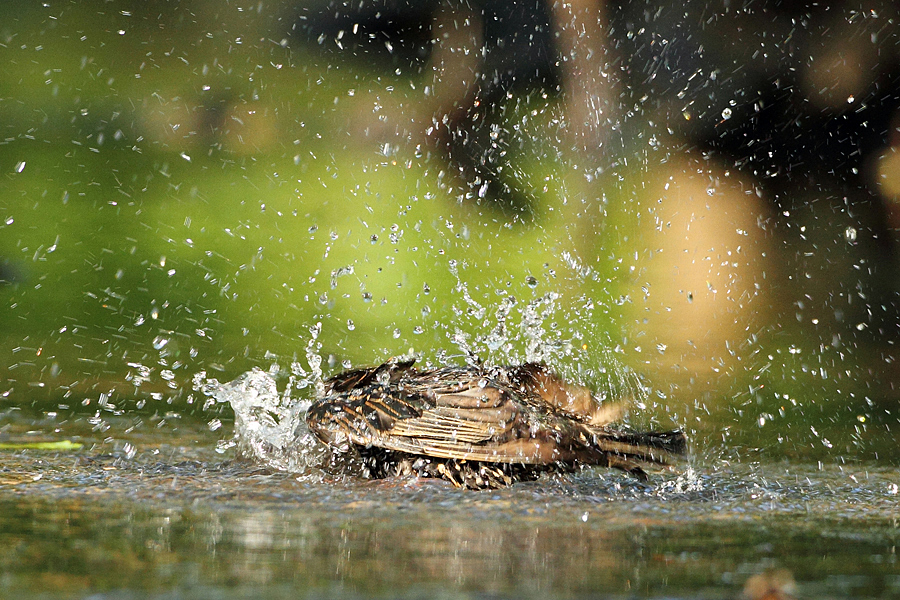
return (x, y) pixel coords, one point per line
(171, 518)
(166, 511)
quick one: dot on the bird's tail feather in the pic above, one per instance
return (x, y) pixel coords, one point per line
(631, 450)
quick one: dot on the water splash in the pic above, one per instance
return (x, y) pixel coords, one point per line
(687, 482)
(540, 345)
(511, 323)
(564, 334)
(269, 425)
(313, 358)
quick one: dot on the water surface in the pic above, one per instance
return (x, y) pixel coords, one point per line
(176, 519)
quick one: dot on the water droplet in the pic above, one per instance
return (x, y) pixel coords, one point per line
(223, 446)
(397, 333)
(726, 113)
(159, 342)
(531, 281)
(850, 235)
(350, 325)
(130, 450)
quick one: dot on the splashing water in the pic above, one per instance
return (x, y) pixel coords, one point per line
(543, 342)
(688, 482)
(269, 426)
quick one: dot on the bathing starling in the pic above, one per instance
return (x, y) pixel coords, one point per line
(477, 426)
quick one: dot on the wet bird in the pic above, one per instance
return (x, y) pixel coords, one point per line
(477, 426)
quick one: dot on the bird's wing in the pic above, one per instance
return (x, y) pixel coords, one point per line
(458, 420)
(470, 415)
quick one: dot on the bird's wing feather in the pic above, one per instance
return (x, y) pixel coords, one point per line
(466, 422)
(518, 451)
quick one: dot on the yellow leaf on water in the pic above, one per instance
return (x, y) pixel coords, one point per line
(61, 445)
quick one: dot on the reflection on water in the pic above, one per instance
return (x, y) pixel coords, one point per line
(185, 523)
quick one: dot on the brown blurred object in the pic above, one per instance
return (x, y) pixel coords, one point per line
(884, 171)
(843, 63)
(771, 585)
(458, 37)
(700, 285)
(203, 125)
(590, 83)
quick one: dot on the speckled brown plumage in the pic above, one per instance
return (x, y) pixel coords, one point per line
(476, 426)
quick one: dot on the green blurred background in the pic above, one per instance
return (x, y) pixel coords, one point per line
(193, 187)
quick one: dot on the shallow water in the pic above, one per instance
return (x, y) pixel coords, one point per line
(179, 520)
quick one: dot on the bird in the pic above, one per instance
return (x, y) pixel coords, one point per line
(477, 426)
